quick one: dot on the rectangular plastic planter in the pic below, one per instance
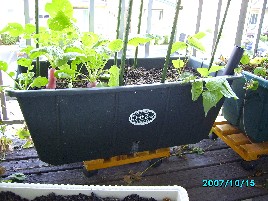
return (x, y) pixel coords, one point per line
(72, 125)
(250, 112)
(30, 191)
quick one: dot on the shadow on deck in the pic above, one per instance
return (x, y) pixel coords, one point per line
(219, 162)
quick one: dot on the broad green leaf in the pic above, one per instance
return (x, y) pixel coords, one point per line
(116, 45)
(197, 89)
(11, 74)
(261, 71)
(14, 29)
(210, 99)
(227, 91)
(3, 66)
(24, 62)
(27, 49)
(89, 39)
(39, 82)
(215, 84)
(136, 41)
(30, 29)
(65, 57)
(195, 43)
(203, 72)
(178, 46)
(74, 49)
(215, 69)
(178, 63)
(59, 22)
(114, 78)
(28, 144)
(23, 133)
(59, 5)
(245, 59)
(199, 35)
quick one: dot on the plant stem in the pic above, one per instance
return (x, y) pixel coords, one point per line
(122, 69)
(139, 31)
(37, 39)
(171, 41)
(219, 34)
(117, 28)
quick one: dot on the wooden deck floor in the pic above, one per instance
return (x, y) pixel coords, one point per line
(218, 162)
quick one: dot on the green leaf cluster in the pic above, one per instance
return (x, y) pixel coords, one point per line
(205, 72)
(212, 92)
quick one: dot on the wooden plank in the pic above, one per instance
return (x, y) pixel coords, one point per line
(189, 162)
(20, 154)
(260, 198)
(223, 194)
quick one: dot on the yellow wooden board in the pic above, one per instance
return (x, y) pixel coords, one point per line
(239, 142)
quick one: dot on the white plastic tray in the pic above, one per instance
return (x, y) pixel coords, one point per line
(30, 191)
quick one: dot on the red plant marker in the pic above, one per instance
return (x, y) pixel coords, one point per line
(51, 79)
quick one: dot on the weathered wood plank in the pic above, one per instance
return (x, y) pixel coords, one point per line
(189, 179)
(170, 164)
(223, 194)
(260, 198)
(19, 154)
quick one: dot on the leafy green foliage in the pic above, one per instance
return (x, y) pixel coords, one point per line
(24, 134)
(114, 76)
(14, 29)
(115, 45)
(3, 66)
(17, 177)
(204, 72)
(215, 89)
(261, 71)
(178, 63)
(197, 89)
(57, 6)
(178, 46)
(39, 82)
(59, 22)
(136, 41)
(195, 43)
(245, 59)
(192, 41)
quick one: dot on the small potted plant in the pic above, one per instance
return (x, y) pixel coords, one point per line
(249, 112)
(105, 119)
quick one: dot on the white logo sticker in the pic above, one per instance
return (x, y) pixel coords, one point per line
(142, 117)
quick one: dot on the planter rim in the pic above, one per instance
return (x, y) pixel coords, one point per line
(54, 92)
(262, 82)
(30, 191)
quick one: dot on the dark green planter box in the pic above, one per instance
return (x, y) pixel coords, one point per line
(73, 125)
(249, 113)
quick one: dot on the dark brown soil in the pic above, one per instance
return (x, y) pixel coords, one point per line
(134, 76)
(10, 196)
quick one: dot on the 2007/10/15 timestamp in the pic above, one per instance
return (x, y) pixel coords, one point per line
(228, 183)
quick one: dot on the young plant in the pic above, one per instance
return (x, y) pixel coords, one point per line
(97, 52)
(5, 142)
(24, 134)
